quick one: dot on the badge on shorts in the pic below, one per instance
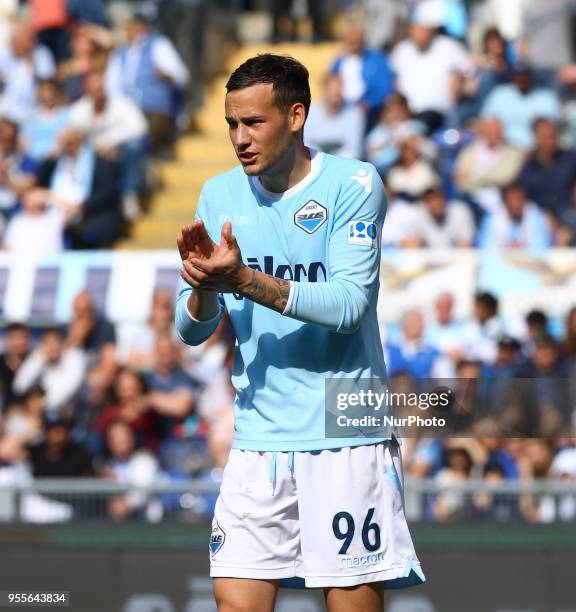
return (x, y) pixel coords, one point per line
(217, 538)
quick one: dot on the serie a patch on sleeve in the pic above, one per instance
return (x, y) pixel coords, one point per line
(363, 233)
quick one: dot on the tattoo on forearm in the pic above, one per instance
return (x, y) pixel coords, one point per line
(268, 291)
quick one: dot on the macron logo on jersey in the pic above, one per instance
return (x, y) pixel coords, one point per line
(311, 216)
(364, 178)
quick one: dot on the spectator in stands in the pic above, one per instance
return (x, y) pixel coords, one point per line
(519, 224)
(332, 127)
(381, 20)
(424, 457)
(508, 359)
(459, 463)
(396, 124)
(92, 333)
(58, 456)
(16, 343)
(471, 400)
(489, 506)
(367, 78)
(488, 164)
(429, 67)
(94, 395)
(491, 69)
(131, 466)
(410, 353)
(535, 461)
(546, 36)
(544, 398)
(563, 468)
(549, 174)
(20, 65)
(36, 230)
(519, 104)
(548, 359)
(149, 70)
(498, 455)
(481, 334)
(85, 186)
(440, 224)
(40, 133)
(21, 426)
(397, 230)
(130, 405)
(16, 169)
(412, 175)
(137, 343)
(536, 327)
(172, 395)
(50, 20)
(444, 331)
(89, 52)
(117, 128)
(57, 368)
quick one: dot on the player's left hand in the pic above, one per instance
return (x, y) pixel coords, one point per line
(223, 271)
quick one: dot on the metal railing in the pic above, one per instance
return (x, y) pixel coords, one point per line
(76, 500)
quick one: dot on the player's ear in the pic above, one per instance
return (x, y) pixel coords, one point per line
(297, 116)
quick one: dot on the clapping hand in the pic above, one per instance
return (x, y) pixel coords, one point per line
(208, 266)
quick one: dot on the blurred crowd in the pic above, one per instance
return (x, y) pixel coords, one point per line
(131, 404)
(471, 123)
(514, 411)
(454, 462)
(85, 110)
(126, 402)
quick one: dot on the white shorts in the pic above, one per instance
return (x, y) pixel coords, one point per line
(331, 517)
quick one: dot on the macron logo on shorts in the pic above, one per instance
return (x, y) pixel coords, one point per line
(217, 538)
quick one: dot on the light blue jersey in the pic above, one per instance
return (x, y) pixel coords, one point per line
(324, 236)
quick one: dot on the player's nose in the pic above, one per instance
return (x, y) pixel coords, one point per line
(242, 137)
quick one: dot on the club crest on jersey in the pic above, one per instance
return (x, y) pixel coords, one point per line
(311, 216)
(363, 233)
(217, 538)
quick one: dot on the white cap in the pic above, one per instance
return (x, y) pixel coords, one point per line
(430, 13)
(565, 463)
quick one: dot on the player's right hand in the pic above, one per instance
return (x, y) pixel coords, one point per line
(194, 241)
